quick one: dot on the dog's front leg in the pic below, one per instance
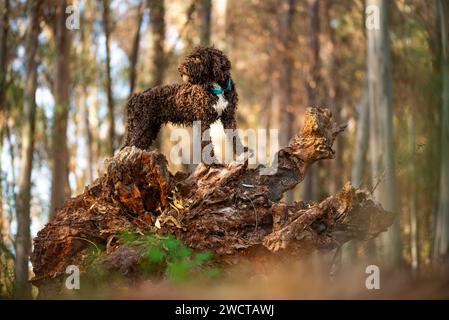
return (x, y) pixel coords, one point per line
(207, 148)
(230, 125)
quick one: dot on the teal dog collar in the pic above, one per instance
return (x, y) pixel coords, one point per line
(219, 90)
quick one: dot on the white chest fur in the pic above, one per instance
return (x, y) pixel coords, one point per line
(221, 104)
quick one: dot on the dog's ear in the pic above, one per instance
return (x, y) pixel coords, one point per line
(221, 67)
(194, 68)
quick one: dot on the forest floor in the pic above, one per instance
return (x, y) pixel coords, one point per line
(306, 279)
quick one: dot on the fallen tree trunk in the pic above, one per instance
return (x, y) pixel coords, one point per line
(227, 210)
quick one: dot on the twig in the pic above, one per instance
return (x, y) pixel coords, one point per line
(87, 240)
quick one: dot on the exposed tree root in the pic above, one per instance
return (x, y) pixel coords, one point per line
(227, 210)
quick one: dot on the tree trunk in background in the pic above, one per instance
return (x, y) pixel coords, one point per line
(159, 65)
(359, 161)
(441, 241)
(134, 55)
(310, 187)
(205, 13)
(23, 237)
(3, 71)
(414, 249)
(95, 121)
(361, 140)
(381, 128)
(333, 96)
(89, 138)
(111, 117)
(267, 102)
(4, 29)
(283, 87)
(87, 78)
(157, 25)
(60, 188)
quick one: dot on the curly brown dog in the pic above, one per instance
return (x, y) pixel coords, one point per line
(207, 95)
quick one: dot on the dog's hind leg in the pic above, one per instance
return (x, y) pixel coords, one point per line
(142, 126)
(151, 133)
(143, 136)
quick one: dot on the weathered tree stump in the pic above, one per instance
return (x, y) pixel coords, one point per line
(228, 210)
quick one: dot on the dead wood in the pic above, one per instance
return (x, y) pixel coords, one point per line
(227, 210)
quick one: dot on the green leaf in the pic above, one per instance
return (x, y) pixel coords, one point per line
(183, 252)
(128, 237)
(172, 243)
(179, 271)
(156, 255)
(202, 257)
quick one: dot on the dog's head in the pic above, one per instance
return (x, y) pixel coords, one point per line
(205, 65)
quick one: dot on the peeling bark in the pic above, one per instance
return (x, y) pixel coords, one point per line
(228, 210)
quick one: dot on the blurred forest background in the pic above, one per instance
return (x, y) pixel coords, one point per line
(63, 91)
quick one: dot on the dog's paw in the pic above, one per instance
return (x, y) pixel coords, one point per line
(248, 151)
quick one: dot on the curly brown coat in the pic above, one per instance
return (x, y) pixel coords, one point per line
(182, 104)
